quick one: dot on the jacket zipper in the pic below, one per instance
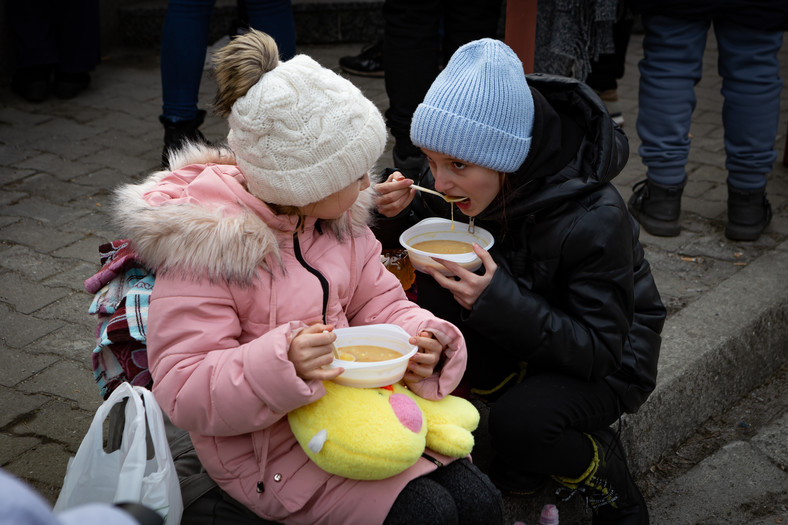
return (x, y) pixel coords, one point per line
(313, 271)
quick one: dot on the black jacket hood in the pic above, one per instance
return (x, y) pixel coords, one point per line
(576, 147)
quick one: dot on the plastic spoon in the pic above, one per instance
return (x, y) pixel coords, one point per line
(444, 197)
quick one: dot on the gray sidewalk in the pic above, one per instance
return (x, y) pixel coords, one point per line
(727, 330)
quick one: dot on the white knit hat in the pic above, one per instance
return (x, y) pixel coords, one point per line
(303, 133)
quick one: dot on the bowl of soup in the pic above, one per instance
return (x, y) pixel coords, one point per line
(444, 239)
(373, 355)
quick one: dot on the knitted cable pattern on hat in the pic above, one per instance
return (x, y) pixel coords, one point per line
(303, 133)
(479, 109)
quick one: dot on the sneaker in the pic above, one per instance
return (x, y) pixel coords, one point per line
(749, 213)
(610, 98)
(657, 207)
(368, 63)
(607, 486)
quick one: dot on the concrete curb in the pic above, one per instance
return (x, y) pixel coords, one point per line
(710, 361)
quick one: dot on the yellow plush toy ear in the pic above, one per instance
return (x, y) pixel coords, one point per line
(361, 433)
(450, 422)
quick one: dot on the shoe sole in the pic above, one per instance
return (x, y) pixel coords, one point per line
(739, 232)
(656, 226)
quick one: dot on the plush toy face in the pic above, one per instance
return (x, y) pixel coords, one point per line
(375, 433)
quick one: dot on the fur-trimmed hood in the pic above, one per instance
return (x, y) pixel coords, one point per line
(200, 219)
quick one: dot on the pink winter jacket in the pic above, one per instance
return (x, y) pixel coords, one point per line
(234, 285)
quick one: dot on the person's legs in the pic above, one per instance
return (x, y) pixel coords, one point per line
(751, 87)
(539, 425)
(183, 43)
(609, 67)
(475, 497)
(469, 20)
(274, 17)
(34, 42)
(557, 425)
(671, 66)
(412, 54)
(423, 501)
(79, 46)
(458, 493)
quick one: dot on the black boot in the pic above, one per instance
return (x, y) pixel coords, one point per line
(657, 207)
(607, 485)
(177, 133)
(749, 212)
(32, 83)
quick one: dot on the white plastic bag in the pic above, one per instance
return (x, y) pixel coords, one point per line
(125, 475)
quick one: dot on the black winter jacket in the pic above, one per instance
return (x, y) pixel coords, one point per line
(573, 292)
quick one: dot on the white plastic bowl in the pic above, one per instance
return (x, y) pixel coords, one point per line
(378, 373)
(440, 229)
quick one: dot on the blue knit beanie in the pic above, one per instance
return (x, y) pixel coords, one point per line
(479, 109)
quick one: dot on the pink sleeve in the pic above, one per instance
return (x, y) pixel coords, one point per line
(204, 379)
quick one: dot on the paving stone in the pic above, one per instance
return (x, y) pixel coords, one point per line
(66, 379)
(43, 210)
(73, 277)
(11, 174)
(20, 119)
(70, 421)
(28, 297)
(18, 330)
(37, 236)
(60, 167)
(54, 190)
(14, 405)
(71, 341)
(12, 446)
(18, 365)
(10, 198)
(70, 308)
(84, 249)
(31, 264)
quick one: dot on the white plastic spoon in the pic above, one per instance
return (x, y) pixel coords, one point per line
(444, 197)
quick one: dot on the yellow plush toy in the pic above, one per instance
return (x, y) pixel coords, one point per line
(375, 433)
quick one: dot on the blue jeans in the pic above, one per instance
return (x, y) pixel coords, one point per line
(185, 39)
(672, 65)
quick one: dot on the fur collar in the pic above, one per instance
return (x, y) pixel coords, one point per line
(207, 241)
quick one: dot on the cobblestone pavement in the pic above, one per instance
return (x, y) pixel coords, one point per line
(60, 160)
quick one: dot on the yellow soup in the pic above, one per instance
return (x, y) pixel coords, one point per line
(367, 353)
(444, 246)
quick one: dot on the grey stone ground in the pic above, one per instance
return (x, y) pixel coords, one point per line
(728, 302)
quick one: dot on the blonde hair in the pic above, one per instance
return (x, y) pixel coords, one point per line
(239, 65)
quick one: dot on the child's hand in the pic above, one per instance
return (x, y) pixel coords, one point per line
(423, 362)
(310, 350)
(394, 195)
(466, 286)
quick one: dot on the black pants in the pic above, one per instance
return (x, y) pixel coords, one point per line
(419, 38)
(538, 425)
(458, 493)
(64, 34)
